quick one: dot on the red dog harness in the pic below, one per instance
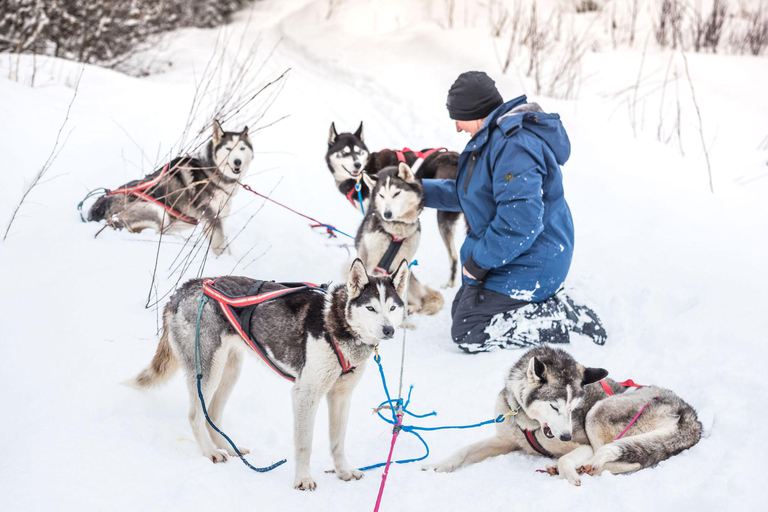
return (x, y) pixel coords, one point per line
(138, 191)
(419, 154)
(240, 321)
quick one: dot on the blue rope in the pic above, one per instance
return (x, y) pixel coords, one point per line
(413, 429)
(88, 196)
(360, 196)
(199, 370)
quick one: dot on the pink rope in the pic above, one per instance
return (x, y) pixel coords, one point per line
(635, 418)
(395, 432)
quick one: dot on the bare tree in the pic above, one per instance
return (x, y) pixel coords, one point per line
(498, 17)
(333, 5)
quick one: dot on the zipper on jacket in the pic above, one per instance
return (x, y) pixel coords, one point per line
(472, 162)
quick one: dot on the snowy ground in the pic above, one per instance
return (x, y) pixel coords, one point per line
(675, 272)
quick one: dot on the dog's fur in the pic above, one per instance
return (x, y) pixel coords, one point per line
(397, 201)
(296, 331)
(200, 187)
(348, 156)
(575, 420)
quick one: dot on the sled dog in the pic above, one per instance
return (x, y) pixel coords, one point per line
(565, 412)
(391, 231)
(306, 334)
(188, 190)
(348, 156)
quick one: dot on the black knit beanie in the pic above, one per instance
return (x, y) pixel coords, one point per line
(473, 96)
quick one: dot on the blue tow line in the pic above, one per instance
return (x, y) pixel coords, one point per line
(412, 429)
(360, 196)
(199, 370)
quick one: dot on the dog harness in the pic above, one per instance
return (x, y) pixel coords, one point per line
(530, 436)
(626, 384)
(238, 312)
(389, 256)
(419, 154)
(139, 191)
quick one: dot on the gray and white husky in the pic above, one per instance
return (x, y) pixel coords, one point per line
(297, 331)
(200, 188)
(397, 201)
(348, 156)
(565, 409)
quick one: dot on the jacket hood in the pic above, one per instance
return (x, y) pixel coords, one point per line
(518, 113)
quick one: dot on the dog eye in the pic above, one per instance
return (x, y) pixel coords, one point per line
(242, 149)
(396, 194)
(381, 196)
(392, 308)
(370, 308)
(555, 408)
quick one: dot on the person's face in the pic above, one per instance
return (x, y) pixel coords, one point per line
(470, 127)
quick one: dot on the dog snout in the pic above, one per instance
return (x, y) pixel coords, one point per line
(358, 165)
(565, 437)
(388, 331)
(238, 162)
(387, 214)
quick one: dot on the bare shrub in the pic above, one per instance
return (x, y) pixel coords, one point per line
(515, 24)
(708, 32)
(633, 21)
(498, 17)
(668, 27)
(583, 6)
(756, 35)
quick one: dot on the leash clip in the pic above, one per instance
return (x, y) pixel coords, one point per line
(501, 417)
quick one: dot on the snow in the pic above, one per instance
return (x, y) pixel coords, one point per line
(676, 272)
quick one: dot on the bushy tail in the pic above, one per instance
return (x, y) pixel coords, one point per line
(163, 365)
(432, 302)
(100, 209)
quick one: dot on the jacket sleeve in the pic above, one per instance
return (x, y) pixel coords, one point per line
(441, 194)
(517, 193)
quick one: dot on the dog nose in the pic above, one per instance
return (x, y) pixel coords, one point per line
(358, 165)
(388, 331)
(238, 162)
(387, 214)
(565, 437)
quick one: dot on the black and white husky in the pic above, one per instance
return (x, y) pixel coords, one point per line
(188, 190)
(391, 231)
(298, 331)
(564, 412)
(348, 156)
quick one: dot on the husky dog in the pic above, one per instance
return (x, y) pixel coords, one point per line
(298, 332)
(348, 156)
(398, 199)
(199, 188)
(580, 423)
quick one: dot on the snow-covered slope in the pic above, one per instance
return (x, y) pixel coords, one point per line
(676, 273)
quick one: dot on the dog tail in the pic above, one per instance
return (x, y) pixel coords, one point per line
(163, 365)
(100, 209)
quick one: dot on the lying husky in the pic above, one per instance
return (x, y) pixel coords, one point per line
(309, 334)
(564, 411)
(391, 231)
(187, 190)
(347, 157)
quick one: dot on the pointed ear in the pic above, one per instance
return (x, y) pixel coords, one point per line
(244, 133)
(404, 173)
(593, 375)
(218, 132)
(359, 132)
(332, 134)
(536, 370)
(369, 180)
(400, 278)
(357, 279)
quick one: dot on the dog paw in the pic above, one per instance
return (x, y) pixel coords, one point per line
(305, 484)
(350, 474)
(216, 456)
(589, 470)
(444, 468)
(552, 470)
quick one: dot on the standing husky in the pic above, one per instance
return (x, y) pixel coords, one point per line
(391, 231)
(563, 412)
(348, 156)
(189, 189)
(298, 332)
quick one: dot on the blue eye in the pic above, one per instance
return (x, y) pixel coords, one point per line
(370, 308)
(392, 308)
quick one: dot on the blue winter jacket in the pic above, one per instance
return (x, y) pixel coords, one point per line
(510, 188)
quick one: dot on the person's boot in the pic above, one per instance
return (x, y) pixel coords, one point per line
(582, 319)
(530, 325)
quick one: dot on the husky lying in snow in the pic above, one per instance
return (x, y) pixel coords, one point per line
(391, 231)
(347, 157)
(298, 332)
(189, 189)
(566, 411)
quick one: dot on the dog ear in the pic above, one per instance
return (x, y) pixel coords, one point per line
(359, 132)
(218, 132)
(400, 278)
(369, 180)
(593, 375)
(404, 173)
(244, 133)
(536, 370)
(332, 134)
(357, 279)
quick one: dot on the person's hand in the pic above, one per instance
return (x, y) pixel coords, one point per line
(466, 273)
